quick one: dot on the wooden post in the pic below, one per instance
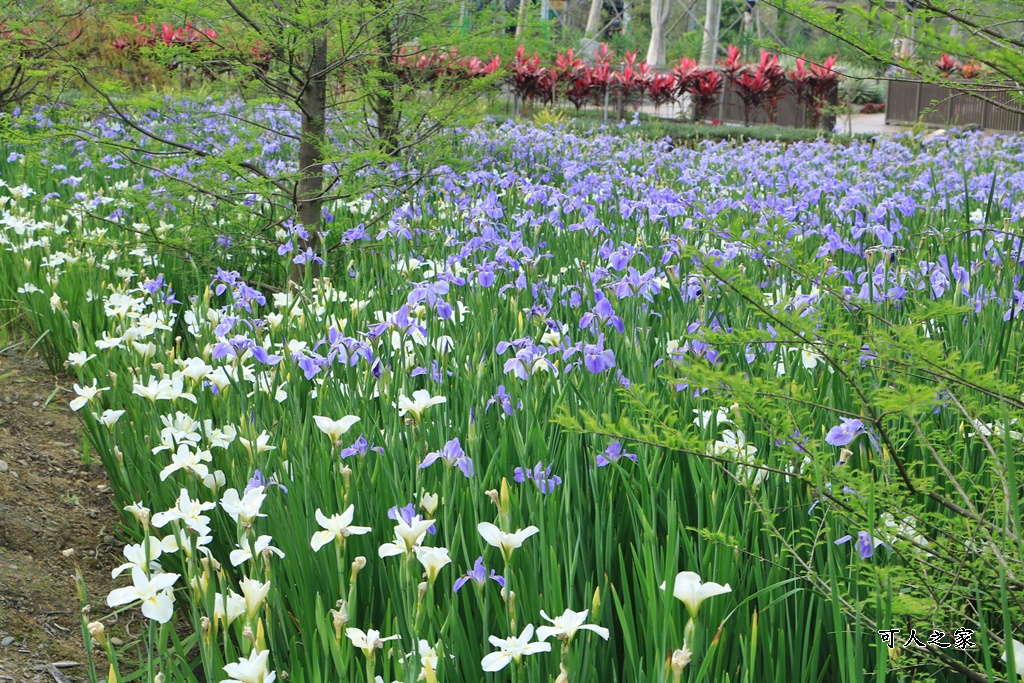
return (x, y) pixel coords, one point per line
(888, 101)
(917, 103)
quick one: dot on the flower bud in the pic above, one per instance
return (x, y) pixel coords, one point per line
(428, 503)
(680, 658)
(505, 509)
(493, 495)
(248, 634)
(595, 604)
(98, 632)
(422, 590)
(844, 455)
(204, 624)
(159, 678)
(339, 617)
(80, 585)
(357, 566)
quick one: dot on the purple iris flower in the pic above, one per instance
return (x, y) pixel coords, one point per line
(307, 256)
(540, 476)
(603, 315)
(865, 544)
(259, 480)
(866, 354)
(360, 447)
(408, 515)
(596, 358)
(355, 234)
(635, 284)
(152, 286)
(454, 455)
(479, 574)
(345, 350)
(612, 454)
(433, 295)
(692, 289)
(504, 400)
(224, 241)
(400, 319)
(238, 345)
(844, 433)
(1016, 306)
(310, 365)
(526, 360)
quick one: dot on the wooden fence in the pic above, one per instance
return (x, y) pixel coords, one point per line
(942, 105)
(791, 113)
(728, 108)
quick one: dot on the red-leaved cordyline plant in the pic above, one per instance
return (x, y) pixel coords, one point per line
(704, 90)
(187, 37)
(474, 67)
(661, 89)
(970, 69)
(733, 65)
(602, 78)
(580, 88)
(458, 71)
(633, 79)
(947, 65)
(529, 80)
(419, 67)
(775, 76)
(148, 35)
(567, 69)
(567, 64)
(753, 87)
(814, 86)
(686, 72)
(603, 55)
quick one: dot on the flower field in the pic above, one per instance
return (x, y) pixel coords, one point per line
(583, 408)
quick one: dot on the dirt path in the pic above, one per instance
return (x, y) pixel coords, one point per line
(50, 503)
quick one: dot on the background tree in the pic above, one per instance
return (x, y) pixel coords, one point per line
(367, 82)
(712, 17)
(28, 36)
(661, 11)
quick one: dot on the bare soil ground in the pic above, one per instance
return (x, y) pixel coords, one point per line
(50, 503)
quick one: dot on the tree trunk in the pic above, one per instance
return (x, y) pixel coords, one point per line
(782, 21)
(711, 20)
(660, 13)
(313, 104)
(383, 101)
(594, 18)
(521, 23)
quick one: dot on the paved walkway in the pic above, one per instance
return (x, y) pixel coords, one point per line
(868, 123)
(861, 123)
